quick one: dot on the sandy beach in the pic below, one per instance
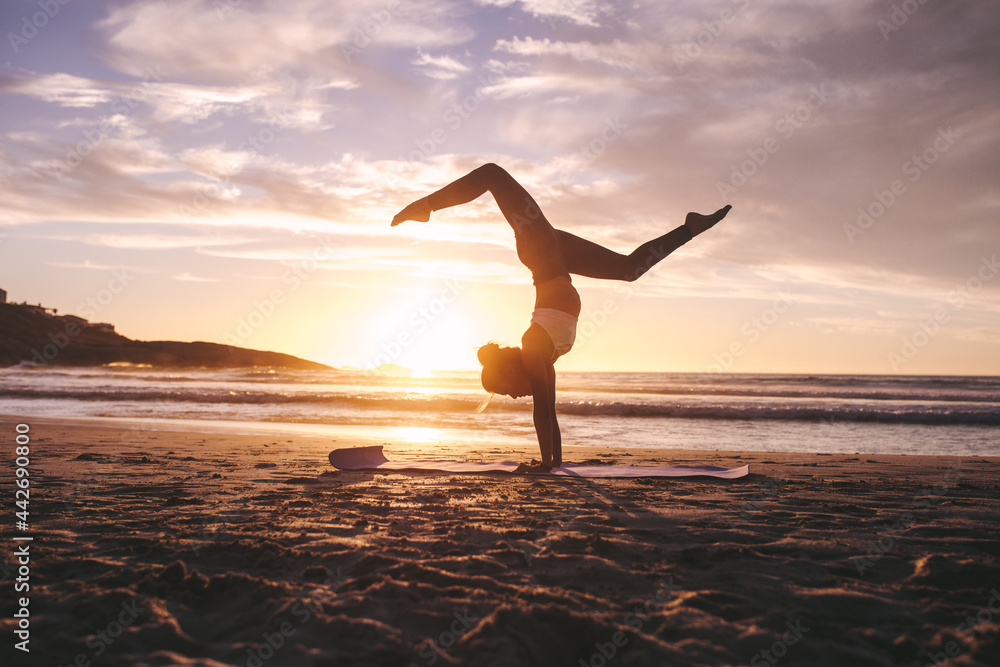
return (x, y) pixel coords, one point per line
(169, 547)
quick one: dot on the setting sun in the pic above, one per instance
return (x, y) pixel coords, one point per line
(437, 335)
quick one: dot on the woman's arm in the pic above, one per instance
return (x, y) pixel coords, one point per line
(536, 354)
(556, 434)
(546, 426)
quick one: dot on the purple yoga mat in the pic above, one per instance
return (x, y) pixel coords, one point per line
(372, 458)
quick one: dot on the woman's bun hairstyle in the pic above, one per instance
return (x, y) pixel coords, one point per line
(488, 354)
(498, 361)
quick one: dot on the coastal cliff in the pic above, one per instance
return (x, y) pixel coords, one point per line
(35, 335)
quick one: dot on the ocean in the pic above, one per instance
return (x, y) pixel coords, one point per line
(957, 416)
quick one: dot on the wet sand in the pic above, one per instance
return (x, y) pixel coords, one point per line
(157, 547)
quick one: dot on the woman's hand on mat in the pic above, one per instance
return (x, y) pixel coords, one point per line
(535, 466)
(419, 210)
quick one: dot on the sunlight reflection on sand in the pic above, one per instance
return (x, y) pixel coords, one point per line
(416, 434)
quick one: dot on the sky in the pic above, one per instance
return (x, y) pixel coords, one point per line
(226, 170)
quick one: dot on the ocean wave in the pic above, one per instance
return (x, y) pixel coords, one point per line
(830, 414)
(613, 386)
(870, 388)
(827, 412)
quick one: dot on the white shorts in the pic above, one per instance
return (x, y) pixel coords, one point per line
(559, 325)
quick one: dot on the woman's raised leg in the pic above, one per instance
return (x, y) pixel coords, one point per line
(586, 258)
(517, 206)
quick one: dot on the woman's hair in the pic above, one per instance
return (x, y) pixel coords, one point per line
(498, 363)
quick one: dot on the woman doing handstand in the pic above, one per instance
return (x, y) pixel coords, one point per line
(551, 255)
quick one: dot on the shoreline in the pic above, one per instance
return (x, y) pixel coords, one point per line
(228, 548)
(410, 441)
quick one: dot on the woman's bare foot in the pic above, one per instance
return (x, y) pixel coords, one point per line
(419, 210)
(699, 223)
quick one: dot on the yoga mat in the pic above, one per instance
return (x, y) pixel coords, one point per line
(372, 458)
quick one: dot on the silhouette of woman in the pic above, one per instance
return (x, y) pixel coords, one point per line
(551, 255)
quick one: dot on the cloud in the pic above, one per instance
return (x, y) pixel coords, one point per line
(145, 241)
(203, 43)
(440, 67)
(617, 53)
(554, 12)
(97, 266)
(188, 278)
(62, 89)
(263, 99)
(540, 84)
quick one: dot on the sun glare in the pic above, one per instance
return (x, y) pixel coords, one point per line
(428, 341)
(416, 434)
